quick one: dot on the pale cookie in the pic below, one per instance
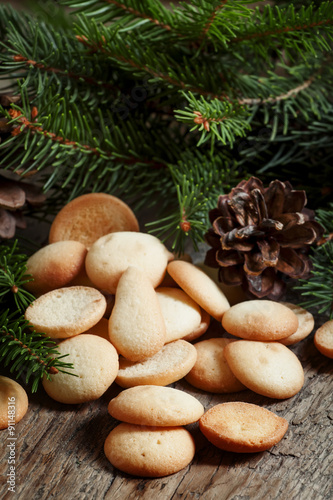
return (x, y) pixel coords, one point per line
(95, 362)
(234, 294)
(170, 364)
(200, 287)
(55, 266)
(91, 216)
(65, 312)
(155, 405)
(13, 402)
(260, 320)
(242, 427)
(112, 254)
(267, 368)
(149, 451)
(211, 372)
(305, 324)
(181, 314)
(323, 339)
(201, 329)
(136, 325)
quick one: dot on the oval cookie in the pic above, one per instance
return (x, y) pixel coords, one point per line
(90, 216)
(95, 362)
(211, 371)
(323, 339)
(149, 451)
(200, 287)
(55, 265)
(66, 312)
(242, 427)
(136, 325)
(13, 402)
(112, 254)
(260, 320)
(170, 364)
(155, 405)
(268, 368)
(305, 324)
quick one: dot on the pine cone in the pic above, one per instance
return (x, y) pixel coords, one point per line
(260, 235)
(14, 196)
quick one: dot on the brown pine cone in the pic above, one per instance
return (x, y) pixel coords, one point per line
(260, 235)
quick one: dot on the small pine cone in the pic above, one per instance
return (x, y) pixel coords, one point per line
(260, 235)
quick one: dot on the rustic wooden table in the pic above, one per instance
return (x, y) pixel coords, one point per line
(59, 449)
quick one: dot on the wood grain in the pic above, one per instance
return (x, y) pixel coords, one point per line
(60, 448)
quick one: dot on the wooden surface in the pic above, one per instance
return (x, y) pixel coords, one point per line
(59, 449)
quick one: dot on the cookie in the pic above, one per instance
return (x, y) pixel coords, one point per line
(180, 313)
(267, 368)
(201, 329)
(112, 254)
(305, 324)
(260, 320)
(170, 364)
(136, 325)
(13, 402)
(101, 329)
(149, 451)
(91, 216)
(55, 266)
(155, 405)
(242, 427)
(65, 312)
(323, 339)
(211, 372)
(200, 287)
(95, 362)
(234, 294)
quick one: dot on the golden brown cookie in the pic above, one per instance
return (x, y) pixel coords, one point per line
(202, 328)
(211, 371)
(66, 312)
(242, 427)
(170, 364)
(136, 325)
(260, 320)
(323, 339)
(200, 287)
(149, 451)
(13, 402)
(305, 324)
(95, 362)
(55, 266)
(90, 216)
(112, 254)
(268, 368)
(155, 405)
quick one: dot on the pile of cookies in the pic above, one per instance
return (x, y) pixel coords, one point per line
(124, 310)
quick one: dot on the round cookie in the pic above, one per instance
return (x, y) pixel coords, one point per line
(90, 216)
(95, 362)
(101, 329)
(181, 314)
(202, 328)
(55, 265)
(260, 320)
(305, 324)
(323, 339)
(136, 325)
(13, 402)
(200, 287)
(170, 364)
(149, 451)
(66, 312)
(242, 427)
(267, 368)
(155, 405)
(112, 254)
(211, 372)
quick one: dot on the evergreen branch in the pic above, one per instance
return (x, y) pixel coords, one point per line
(290, 93)
(211, 19)
(138, 13)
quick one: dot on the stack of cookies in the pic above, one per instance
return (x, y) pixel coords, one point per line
(125, 311)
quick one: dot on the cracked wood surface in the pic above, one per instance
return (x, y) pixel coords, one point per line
(59, 448)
